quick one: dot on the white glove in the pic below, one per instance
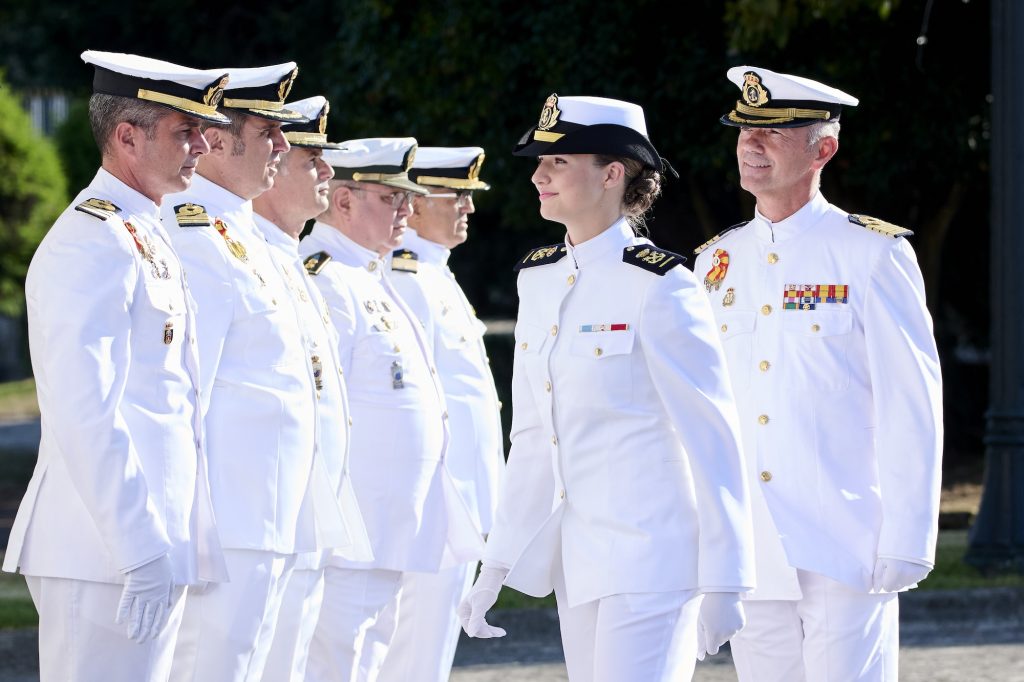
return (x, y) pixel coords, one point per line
(893, 575)
(146, 600)
(480, 599)
(721, 617)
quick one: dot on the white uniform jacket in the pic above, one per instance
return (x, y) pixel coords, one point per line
(271, 489)
(476, 453)
(333, 413)
(833, 361)
(414, 515)
(625, 451)
(121, 475)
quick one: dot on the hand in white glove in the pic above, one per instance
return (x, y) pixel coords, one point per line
(721, 617)
(893, 575)
(146, 600)
(480, 599)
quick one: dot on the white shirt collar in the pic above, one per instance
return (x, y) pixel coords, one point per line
(275, 236)
(808, 216)
(130, 201)
(426, 251)
(344, 249)
(218, 201)
(617, 237)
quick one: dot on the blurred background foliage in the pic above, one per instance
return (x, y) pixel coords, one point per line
(915, 152)
(33, 192)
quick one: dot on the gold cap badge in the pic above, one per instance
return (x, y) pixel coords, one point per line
(549, 114)
(753, 92)
(215, 92)
(286, 85)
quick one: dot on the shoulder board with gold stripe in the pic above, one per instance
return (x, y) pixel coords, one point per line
(696, 252)
(191, 215)
(650, 257)
(98, 208)
(542, 255)
(880, 226)
(315, 263)
(405, 260)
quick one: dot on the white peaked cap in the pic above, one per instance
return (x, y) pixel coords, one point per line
(452, 167)
(382, 160)
(594, 110)
(785, 86)
(153, 69)
(195, 92)
(778, 100)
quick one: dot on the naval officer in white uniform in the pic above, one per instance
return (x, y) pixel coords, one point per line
(830, 349)
(625, 489)
(117, 518)
(428, 627)
(272, 492)
(299, 193)
(415, 517)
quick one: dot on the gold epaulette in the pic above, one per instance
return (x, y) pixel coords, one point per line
(542, 255)
(191, 215)
(651, 258)
(697, 251)
(98, 208)
(405, 260)
(880, 226)
(315, 263)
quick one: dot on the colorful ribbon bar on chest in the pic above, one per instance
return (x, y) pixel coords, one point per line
(807, 296)
(619, 327)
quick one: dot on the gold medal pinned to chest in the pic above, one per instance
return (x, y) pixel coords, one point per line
(719, 268)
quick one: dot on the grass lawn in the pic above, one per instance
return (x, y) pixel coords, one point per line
(18, 400)
(16, 608)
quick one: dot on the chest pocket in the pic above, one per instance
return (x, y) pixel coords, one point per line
(735, 330)
(815, 346)
(267, 322)
(163, 319)
(457, 337)
(599, 369)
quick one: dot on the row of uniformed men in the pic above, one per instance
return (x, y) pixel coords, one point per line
(269, 459)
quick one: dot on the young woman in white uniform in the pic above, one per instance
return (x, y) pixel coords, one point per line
(624, 491)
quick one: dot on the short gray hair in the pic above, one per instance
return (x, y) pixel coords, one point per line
(106, 111)
(234, 128)
(820, 130)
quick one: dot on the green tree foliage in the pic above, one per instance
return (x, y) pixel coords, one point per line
(32, 195)
(79, 155)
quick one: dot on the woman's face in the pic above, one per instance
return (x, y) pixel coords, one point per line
(570, 185)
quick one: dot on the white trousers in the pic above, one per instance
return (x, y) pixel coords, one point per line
(228, 627)
(79, 641)
(356, 626)
(650, 636)
(296, 622)
(428, 625)
(831, 634)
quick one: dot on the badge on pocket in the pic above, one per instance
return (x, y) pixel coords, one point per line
(396, 375)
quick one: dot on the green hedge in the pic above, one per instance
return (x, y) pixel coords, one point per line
(32, 194)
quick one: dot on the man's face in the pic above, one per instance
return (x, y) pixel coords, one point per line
(167, 157)
(301, 185)
(254, 156)
(380, 214)
(443, 216)
(775, 162)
